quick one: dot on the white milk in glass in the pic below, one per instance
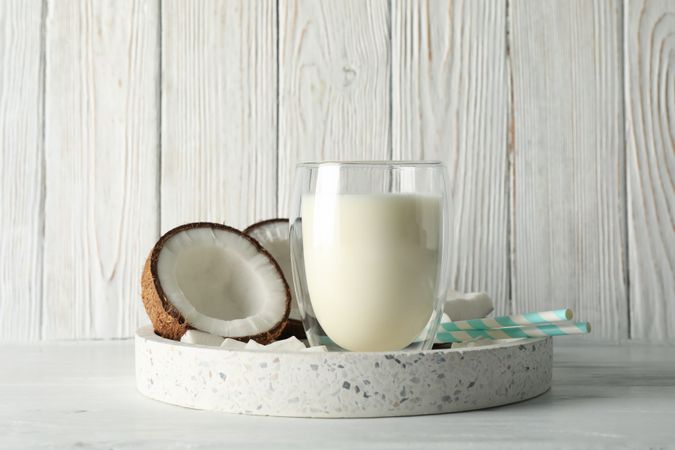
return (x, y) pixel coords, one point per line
(371, 263)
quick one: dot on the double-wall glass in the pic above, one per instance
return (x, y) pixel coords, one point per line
(369, 253)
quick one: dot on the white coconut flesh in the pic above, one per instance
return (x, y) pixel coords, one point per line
(221, 283)
(273, 236)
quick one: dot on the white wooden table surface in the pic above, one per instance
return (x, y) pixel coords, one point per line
(82, 395)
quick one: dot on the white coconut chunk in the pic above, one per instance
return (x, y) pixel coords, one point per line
(232, 344)
(466, 306)
(273, 236)
(285, 345)
(317, 349)
(221, 282)
(290, 344)
(253, 345)
(201, 338)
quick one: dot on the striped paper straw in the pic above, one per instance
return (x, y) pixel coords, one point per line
(549, 329)
(516, 320)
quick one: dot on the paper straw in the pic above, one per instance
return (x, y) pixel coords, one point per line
(516, 320)
(550, 329)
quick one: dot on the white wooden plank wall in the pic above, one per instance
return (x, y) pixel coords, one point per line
(649, 47)
(567, 190)
(556, 120)
(21, 169)
(219, 103)
(101, 151)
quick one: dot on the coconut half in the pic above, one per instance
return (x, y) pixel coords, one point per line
(273, 236)
(216, 279)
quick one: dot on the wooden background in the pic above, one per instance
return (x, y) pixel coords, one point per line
(122, 119)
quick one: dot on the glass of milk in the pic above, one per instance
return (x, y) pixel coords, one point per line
(368, 249)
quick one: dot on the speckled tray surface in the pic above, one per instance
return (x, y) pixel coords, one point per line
(307, 384)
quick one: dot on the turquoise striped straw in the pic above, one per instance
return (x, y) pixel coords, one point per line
(516, 320)
(549, 329)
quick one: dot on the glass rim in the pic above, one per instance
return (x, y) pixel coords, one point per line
(373, 163)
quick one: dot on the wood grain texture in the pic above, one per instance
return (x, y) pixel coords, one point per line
(219, 100)
(649, 38)
(334, 84)
(101, 146)
(21, 169)
(449, 102)
(567, 184)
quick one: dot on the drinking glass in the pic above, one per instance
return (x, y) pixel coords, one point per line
(368, 250)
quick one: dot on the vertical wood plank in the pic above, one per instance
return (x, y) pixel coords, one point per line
(219, 100)
(568, 195)
(649, 40)
(101, 146)
(449, 102)
(21, 169)
(334, 84)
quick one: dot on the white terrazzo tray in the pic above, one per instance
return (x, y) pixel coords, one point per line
(307, 384)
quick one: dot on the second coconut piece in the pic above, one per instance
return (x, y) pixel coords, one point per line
(273, 235)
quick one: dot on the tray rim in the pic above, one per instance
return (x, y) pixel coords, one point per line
(148, 333)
